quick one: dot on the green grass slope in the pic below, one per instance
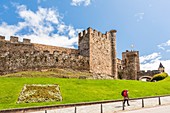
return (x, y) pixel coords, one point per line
(78, 90)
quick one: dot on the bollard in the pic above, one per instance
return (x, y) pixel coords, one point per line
(159, 100)
(142, 103)
(75, 110)
(101, 108)
(45, 111)
(123, 106)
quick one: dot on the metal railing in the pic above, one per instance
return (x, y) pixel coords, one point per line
(143, 104)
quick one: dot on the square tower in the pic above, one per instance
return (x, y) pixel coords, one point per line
(101, 50)
(130, 64)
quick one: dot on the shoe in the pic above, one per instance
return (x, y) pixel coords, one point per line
(128, 104)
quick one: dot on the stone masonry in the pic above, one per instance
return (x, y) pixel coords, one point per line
(96, 53)
(101, 50)
(19, 56)
(130, 64)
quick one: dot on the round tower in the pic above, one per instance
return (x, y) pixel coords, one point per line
(113, 53)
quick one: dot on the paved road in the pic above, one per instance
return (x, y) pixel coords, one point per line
(157, 109)
(116, 107)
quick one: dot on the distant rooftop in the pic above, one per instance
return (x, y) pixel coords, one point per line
(160, 65)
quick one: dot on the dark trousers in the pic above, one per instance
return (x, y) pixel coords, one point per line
(125, 101)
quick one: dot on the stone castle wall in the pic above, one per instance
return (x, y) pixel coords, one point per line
(96, 53)
(101, 50)
(150, 73)
(18, 56)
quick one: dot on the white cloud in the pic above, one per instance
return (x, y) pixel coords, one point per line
(9, 30)
(79, 2)
(43, 26)
(161, 47)
(61, 28)
(152, 61)
(165, 46)
(150, 58)
(139, 16)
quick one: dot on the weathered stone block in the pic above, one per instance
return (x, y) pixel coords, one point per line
(13, 39)
(2, 38)
(26, 41)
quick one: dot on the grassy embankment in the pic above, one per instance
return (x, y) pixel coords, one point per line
(75, 90)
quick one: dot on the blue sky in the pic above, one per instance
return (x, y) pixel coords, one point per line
(143, 23)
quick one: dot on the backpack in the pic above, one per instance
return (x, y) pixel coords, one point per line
(124, 93)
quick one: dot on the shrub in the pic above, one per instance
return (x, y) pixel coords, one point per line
(160, 76)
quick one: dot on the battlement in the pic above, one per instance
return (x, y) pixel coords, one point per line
(2, 38)
(14, 39)
(149, 71)
(130, 52)
(15, 45)
(95, 33)
(26, 41)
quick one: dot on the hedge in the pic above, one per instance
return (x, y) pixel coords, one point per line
(159, 76)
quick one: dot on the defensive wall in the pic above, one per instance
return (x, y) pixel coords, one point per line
(19, 56)
(96, 53)
(150, 73)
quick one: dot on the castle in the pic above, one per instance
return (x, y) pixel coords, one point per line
(96, 53)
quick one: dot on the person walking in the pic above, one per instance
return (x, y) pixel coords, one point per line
(126, 97)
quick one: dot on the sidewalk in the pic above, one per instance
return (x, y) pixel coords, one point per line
(116, 107)
(157, 109)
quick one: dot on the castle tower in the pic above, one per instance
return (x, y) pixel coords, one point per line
(101, 50)
(161, 68)
(131, 65)
(113, 53)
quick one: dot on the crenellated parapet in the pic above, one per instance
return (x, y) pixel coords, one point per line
(14, 39)
(95, 33)
(150, 73)
(15, 45)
